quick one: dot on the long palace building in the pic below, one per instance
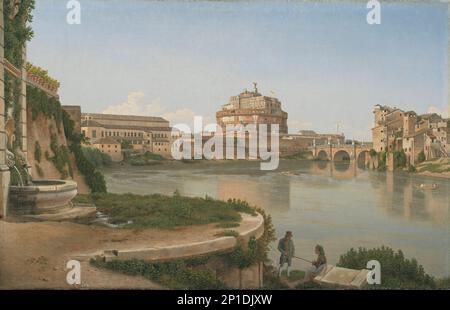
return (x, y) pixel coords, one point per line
(146, 133)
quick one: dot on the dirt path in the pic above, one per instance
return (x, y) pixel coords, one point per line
(34, 254)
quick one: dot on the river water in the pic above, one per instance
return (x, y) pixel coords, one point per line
(337, 205)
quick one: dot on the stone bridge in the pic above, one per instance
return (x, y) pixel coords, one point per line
(342, 152)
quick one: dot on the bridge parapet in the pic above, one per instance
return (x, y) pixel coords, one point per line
(340, 152)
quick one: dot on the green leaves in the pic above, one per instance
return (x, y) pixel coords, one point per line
(397, 272)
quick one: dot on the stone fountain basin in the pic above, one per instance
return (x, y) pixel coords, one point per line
(43, 197)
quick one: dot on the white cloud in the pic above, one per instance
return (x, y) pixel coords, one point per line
(138, 104)
(443, 113)
(294, 126)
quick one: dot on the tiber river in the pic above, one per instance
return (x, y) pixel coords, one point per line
(336, 205)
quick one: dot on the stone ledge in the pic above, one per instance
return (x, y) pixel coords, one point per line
(251, 226)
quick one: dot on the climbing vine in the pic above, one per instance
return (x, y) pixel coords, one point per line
(94, 179)
(17, 29)
(41, 103)
(12, 103)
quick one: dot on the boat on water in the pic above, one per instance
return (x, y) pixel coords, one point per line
(290, 173)
(433, 186)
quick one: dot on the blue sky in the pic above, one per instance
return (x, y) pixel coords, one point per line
(179, 59)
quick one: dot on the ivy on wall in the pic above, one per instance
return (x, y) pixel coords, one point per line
(12, 101)
(17, 29)
(42, 104)
(94, 179)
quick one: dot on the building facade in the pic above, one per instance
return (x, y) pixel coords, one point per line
(397, 130)
(141, 133)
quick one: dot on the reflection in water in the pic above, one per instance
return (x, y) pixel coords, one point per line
(335, 204)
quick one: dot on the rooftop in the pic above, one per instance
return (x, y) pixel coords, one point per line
(126, 117)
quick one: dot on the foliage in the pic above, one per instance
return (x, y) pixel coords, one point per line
(42, 104)
(228, 225)
(400, 159)
(372, 153)
(17, 30)
(268, 237)
(244, 258)
(145, 159)
(12, 101)
(96, 157)
(38, 71)
(434, 167)
(94, 179)
(126, 145)
(176, 274)
(39, 170)
(37, 151)
(421, 158)
(301, 155)
(382, 161)
(397, 271)
(167, 211)
(60, 158)
(228, 233)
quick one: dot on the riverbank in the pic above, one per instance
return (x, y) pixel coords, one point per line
(437, 168)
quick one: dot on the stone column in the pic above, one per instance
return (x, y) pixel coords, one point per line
(23, 103)
(4, 171)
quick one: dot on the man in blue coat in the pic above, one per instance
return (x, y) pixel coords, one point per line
(287, 250)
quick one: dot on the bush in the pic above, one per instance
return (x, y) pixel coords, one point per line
(400, 159)
(96, 157)
(37, 152)
(421, 158)
(382, 161)
(397, 272)
(174, 274)
(94, 179)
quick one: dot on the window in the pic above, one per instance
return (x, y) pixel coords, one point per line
(94, 133)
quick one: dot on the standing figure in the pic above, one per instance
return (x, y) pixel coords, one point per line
(287, 250)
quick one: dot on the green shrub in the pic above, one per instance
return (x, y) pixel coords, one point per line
(173, 274)
(382, 161)
(37, 152)
(94, 179)
(39, 170)
(17, 30)
(421, 157)
(400, 159)
(397, 272)
(96, 157)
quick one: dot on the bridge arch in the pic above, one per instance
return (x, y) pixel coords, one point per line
(322, 155)
(363, 158)
(341, 155)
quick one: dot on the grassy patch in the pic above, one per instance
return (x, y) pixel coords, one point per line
(158, 211)
(432, 167)
(174, 275)
(228, 225)
(228, 233)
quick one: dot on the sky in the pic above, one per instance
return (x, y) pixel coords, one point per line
(177, 59)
